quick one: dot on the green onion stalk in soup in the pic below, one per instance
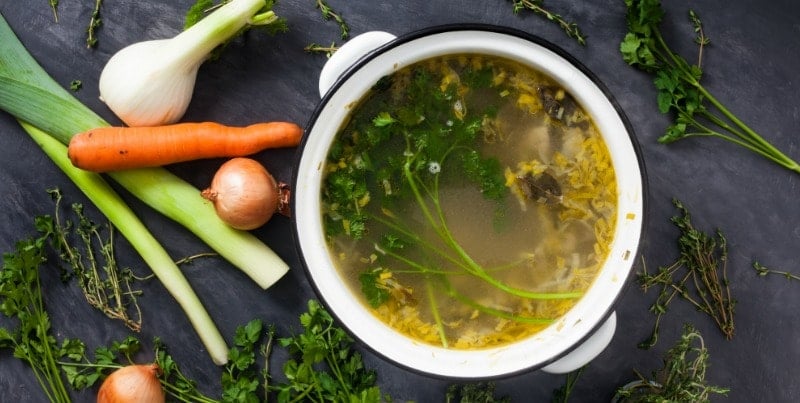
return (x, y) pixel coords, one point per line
(469, 201)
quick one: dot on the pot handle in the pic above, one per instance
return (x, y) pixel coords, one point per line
(587, 351)
(348, 54)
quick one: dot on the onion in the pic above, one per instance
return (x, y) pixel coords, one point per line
(134, 383)
(244, 193)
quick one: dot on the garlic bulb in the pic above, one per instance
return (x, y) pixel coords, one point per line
(151, 83)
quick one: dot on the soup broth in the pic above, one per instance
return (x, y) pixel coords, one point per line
(469, 201)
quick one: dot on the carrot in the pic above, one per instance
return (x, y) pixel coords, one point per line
(107, 149)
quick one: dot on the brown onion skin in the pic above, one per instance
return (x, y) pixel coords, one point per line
(133, 383)
(244, 193)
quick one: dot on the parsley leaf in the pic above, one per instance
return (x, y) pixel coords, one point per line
(371, 287)
(487, 172)
(383, 119)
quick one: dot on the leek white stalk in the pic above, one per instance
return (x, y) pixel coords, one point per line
(151, 83)
(125, 220)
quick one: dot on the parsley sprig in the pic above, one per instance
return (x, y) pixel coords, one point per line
(21, 299)
(697, 112)
(323, 367)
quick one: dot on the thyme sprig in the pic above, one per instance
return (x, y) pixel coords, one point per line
(483, 392)
(329, 14)
(683, 376)
(328, 50)
(699, 276)
(537, 7)
(764, 271)
(94, 24)
(90, 256)
(701, 39)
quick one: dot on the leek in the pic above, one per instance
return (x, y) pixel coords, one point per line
(28, 93)
(118, 213)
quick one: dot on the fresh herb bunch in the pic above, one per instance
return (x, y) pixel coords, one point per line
(697, 112)
(699, 276)
(90, 256)
(323, 366)
(480, 392)
(243, 380)
(683, 377)
(21, 298)
(537, 7)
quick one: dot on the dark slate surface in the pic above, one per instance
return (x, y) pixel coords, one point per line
(751, 65)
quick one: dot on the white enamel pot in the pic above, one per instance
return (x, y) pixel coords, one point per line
(574, 339)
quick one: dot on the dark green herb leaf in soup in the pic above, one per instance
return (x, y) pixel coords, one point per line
(469, 201)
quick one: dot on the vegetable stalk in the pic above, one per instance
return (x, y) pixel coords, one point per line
(219, 26)
(126, 221)
(31, 95)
